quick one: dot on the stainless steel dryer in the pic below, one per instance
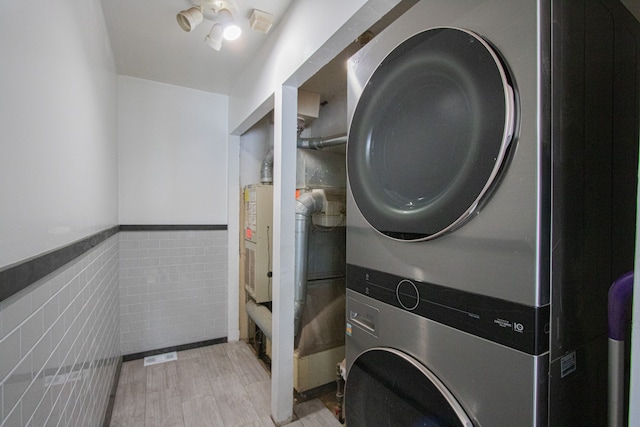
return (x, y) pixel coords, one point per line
(492, 166)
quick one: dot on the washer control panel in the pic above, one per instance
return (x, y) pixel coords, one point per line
(515, 325)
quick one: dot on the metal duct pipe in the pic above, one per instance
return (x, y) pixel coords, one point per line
(317, 143)
(266, 170)
(306, 205)
(261, 316)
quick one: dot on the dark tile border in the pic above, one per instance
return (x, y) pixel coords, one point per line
(154, 227)
(183, 347)
(16, 277)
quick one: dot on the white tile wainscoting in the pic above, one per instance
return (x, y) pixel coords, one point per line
(59, 344)
(173, 288)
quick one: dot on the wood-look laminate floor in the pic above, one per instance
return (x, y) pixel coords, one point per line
(220, 385)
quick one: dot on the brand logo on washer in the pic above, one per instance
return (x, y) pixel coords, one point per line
(515, 326)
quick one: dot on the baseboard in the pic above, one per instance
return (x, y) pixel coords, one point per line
(106, 422)
(183, 347)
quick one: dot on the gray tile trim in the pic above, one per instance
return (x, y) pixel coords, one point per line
(168, 227)
(16, 277)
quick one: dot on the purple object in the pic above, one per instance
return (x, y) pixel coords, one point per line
(620, 294)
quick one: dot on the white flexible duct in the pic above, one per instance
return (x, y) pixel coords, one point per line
(306, 205)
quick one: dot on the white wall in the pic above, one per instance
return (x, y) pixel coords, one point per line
(58, 183)
(58, 168)
(172, 151)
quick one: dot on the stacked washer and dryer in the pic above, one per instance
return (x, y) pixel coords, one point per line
(492, 167)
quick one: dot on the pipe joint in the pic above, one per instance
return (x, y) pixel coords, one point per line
(309, 203)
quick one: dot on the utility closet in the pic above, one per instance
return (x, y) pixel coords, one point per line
(320, 213)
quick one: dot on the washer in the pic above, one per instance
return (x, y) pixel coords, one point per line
(492, 166)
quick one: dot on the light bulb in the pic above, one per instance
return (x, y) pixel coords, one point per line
(232, 32)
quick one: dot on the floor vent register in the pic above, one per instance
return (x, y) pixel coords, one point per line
(160, 358)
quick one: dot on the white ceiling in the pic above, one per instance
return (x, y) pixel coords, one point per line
(148, 43)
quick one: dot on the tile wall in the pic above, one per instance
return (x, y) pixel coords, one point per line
(173, 288)
(59, 344)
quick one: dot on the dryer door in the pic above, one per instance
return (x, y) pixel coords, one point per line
(429, 133)
(387, 387)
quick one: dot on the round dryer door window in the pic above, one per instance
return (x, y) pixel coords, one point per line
(429, 134)
(387, 387)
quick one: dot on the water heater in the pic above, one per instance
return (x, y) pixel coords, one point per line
(258, 241)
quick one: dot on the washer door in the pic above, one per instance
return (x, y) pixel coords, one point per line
(429, 134)
(386, 387)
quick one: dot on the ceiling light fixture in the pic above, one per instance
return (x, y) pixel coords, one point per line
(190, 18)
(214, 38)
(218, 11)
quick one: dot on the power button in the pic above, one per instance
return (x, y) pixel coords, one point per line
(407, 294)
